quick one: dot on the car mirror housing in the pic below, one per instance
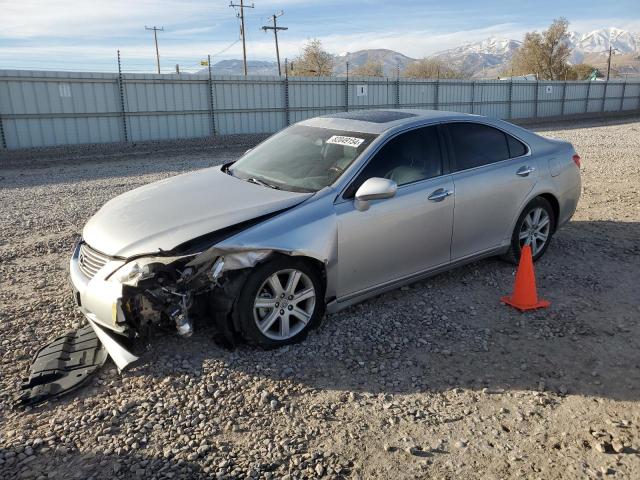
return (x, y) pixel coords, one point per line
(374, 189)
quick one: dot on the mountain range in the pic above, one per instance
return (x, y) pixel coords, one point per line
(483, 59)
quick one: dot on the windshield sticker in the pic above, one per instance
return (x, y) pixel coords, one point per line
(354, 142)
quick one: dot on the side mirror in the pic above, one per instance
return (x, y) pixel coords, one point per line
(374, 189)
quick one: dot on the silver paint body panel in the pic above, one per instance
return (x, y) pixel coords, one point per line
(163, 214)
(395, 238)
(395, 241)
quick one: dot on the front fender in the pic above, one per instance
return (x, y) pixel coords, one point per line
(309, 230)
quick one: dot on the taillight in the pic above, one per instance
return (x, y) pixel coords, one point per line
(576, 160)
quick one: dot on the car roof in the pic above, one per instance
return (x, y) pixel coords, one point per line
(379, 121)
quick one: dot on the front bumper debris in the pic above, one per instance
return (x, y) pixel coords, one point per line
(62, 366)
(120, 355)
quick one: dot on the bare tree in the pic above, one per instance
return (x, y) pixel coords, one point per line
(372, 68)
(545, 54)
(430, 68)
(313, 61)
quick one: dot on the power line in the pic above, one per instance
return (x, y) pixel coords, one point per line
(275, 29)
(241, 16)
(155, 38)
(226, 48)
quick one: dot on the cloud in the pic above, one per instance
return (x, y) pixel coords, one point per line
(26, 19)
(79, 18)
(79, 34)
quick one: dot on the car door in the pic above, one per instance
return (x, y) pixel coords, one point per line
(493, 174)
(402, 235)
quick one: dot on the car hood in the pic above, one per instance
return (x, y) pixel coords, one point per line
(165, 214)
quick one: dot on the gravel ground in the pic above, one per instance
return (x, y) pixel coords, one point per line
(435, 379)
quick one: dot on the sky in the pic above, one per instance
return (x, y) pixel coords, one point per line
(84, 35)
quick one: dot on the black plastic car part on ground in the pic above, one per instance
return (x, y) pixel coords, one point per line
(62, 366)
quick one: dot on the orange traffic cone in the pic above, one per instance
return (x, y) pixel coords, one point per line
(524, 295)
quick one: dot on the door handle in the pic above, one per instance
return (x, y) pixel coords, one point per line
(524, 171)
(439, 195)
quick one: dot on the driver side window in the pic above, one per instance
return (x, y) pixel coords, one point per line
(406, 158)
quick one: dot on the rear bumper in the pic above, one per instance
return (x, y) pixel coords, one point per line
(569, 204)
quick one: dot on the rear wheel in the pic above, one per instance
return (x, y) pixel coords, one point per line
(535, 228)
(280, 302)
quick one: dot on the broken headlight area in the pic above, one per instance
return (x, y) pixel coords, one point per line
(163, 292)
(174, 292)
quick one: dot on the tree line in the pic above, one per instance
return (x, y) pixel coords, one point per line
(544, 54)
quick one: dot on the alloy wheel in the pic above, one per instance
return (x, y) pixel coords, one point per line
(284, 304)
(535, 230)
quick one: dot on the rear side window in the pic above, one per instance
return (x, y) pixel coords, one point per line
(516, 147)
(475, 144)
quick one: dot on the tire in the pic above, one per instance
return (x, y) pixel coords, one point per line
(525, 224)
(281, 320)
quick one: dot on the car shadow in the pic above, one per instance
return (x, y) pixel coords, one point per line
(451, 331)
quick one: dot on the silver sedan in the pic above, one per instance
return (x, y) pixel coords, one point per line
(319, 216)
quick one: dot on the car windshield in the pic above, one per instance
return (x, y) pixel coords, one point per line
(301, 158)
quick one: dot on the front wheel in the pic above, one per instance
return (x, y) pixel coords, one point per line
(535, 228)
(280, 302)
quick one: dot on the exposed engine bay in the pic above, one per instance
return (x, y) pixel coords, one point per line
(171, 292)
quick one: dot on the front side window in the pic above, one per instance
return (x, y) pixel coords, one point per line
(407, 158)
(475, 144)
(301, 158)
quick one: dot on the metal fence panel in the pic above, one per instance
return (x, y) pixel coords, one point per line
(550, 94)
(248, 105)
(613, 96)
(631, 96)
(171, 107)
(418, 93)
(455, 96)
(522, 98)
(596, 93)
(30, 133)
(370, 92)
(310, 97)
(493, 99)
(574, 98)
(40, 109)
(58, 108)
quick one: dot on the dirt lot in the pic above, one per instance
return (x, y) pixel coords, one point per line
(434, 380)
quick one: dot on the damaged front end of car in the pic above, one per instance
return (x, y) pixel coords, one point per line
(131, 279)
(169, 291)
(124, 301)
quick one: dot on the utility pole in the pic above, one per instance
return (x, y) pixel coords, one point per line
(611, 50)
(241, 16)
(155, 38)
(275, 29)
